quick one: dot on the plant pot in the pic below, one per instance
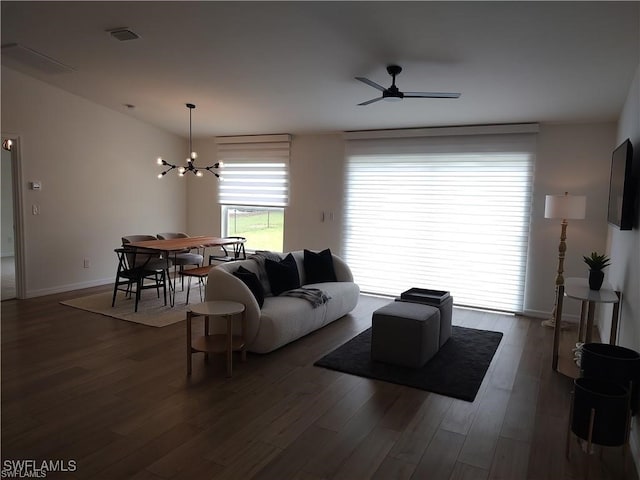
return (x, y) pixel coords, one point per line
(596, 277)
(615, 364)
(605, 402)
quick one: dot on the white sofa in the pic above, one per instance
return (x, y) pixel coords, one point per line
(283, 319)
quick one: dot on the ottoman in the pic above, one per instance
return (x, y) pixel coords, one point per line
(405, 334)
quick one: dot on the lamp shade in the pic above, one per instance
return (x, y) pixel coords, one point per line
(570, 207)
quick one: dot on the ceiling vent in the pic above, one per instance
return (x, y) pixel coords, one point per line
(14, 54)
(123, 34)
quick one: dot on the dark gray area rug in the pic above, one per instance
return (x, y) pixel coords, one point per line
(456, 370)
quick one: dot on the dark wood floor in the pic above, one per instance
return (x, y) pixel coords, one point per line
(114, 397)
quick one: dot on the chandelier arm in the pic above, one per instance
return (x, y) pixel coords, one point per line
(189, 167)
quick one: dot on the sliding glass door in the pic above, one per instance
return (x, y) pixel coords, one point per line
(441, 218)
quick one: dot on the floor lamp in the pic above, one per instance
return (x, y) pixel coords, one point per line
(565, 207)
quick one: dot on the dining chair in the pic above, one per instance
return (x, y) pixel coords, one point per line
(149, 260)
(186, 257)
(133, 269)
(231, 252)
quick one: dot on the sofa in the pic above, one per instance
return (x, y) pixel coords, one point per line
(283, 318)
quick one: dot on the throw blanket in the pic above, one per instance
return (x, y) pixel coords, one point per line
(314, 296)
(259, 257)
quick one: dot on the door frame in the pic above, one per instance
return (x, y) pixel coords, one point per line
(18, 212)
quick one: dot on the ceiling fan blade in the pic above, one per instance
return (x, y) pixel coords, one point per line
(371, 83)
(370, 101)
(431, 95)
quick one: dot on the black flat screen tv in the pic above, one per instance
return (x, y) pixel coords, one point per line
(621, 188)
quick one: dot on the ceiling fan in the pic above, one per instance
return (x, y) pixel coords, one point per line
(393, 94)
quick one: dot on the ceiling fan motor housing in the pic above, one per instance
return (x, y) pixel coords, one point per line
(392, 92)
(394, 70)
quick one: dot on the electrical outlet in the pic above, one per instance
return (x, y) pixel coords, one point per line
(35, 209)
(86, 263)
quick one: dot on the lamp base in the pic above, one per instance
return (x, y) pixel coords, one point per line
(551, 323)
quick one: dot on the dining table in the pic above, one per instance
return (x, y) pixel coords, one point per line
(169, 248)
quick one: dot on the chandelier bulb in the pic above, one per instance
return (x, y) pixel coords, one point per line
(190, 160)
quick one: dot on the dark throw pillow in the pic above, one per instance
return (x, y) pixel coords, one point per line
(318, 267)
(251, 280)
(283, 275)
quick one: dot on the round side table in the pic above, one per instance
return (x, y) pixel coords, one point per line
(217, 343)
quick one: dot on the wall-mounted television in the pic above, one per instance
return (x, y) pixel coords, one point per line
(622, 192)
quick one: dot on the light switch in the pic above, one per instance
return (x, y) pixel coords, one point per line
(36, 185)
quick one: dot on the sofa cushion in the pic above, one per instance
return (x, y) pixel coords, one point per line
(251, 280)
(283, 275)
(318, 267)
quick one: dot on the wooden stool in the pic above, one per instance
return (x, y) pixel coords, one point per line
(227, 342)
(200, 273)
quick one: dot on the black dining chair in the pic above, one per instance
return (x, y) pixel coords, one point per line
(134, 272)
(187, 257)
(231, 252)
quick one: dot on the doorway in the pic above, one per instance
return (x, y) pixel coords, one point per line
(10, 221)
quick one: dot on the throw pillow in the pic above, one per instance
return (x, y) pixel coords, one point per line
(318, 267)
(283, 275)
(251, 280)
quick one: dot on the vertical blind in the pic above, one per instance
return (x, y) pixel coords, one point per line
(255, 170)
(447, 213)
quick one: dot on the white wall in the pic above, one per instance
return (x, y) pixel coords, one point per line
(98, 173)
(624, 250)
(317, 187)
(574, 158)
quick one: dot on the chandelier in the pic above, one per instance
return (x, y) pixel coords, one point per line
(190, 167)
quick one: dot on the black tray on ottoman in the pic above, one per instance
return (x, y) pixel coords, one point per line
(424, 295)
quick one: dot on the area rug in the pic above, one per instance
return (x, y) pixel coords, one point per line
(456, 370)
(151, 309)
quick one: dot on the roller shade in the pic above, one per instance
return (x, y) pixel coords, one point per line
(448, 213)
(255, 170)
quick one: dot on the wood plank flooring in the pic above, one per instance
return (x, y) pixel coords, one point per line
(114, 397)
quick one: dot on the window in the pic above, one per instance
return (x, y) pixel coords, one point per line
(254, 188)
(262, 227)
(448, 213)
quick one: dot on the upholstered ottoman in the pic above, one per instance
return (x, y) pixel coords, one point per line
(444, 304)
(406, 334)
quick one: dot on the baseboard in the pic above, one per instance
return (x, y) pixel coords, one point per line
(67, 288)
(545, 315)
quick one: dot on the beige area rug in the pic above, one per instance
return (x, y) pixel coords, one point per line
(151, 309)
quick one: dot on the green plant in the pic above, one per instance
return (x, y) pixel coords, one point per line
(597, 261)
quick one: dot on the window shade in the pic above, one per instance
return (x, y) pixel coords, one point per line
(447, 213)
(255, 170)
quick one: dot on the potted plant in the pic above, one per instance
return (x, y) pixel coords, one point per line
(597, 263)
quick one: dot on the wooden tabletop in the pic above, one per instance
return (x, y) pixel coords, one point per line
(179, 244)
(217, 307)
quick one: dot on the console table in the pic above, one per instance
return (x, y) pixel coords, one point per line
(578, 288)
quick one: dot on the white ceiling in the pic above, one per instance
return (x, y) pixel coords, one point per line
(289, 67)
